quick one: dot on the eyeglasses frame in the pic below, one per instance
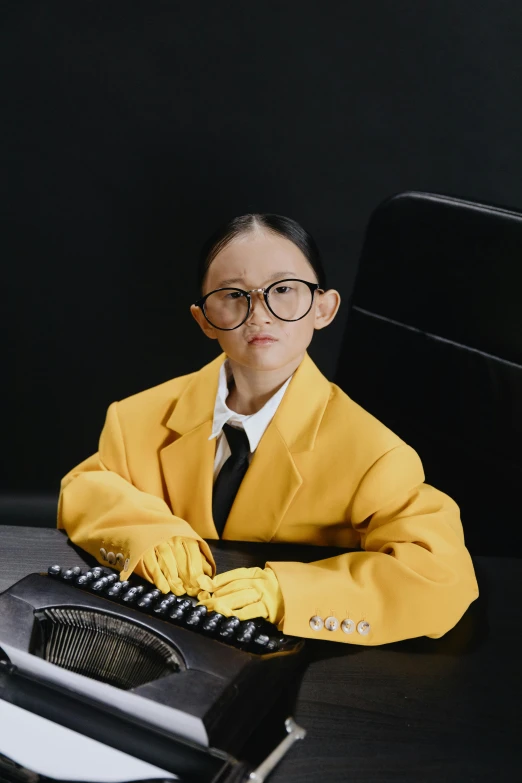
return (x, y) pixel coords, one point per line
(314, 287)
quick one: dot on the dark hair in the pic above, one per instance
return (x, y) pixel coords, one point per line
(278, 224)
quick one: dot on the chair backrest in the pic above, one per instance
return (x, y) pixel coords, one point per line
(433, 348)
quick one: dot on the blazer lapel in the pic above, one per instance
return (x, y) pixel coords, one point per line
(266, 491)
(188, 462)
(272, 480)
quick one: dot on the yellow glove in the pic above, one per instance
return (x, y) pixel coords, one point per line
(245, 593)
(175, 566)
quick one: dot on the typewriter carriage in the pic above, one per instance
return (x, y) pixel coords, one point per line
(102, 646)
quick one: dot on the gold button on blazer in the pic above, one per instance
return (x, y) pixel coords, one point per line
(326, 472)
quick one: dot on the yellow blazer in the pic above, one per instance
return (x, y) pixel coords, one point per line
(326, 472)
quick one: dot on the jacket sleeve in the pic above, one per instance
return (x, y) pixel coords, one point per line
(414, 578)
(100, 508)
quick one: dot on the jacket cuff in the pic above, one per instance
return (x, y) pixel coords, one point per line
(318, 605)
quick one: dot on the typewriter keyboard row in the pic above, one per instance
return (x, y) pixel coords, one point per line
(255, 636)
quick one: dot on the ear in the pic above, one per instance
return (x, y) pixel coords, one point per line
(206, 328)
(327, 305)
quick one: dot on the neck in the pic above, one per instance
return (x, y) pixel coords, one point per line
(253, 388)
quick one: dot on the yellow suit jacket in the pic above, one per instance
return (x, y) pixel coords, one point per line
(326, 472)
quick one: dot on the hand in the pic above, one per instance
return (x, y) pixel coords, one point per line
(175, 566)
(245, 593)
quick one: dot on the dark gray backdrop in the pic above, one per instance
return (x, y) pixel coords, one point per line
(131, 128)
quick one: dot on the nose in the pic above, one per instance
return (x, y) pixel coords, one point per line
(259, 312)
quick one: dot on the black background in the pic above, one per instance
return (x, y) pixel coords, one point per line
(131, 129)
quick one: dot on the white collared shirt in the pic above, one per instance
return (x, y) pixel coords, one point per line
(254, 424)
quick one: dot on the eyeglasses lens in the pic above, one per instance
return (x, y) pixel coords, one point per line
(228, 308)
(291, 300)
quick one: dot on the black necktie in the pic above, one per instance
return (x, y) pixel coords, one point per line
(230, 476)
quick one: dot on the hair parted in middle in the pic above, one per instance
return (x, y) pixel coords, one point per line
(247, 224)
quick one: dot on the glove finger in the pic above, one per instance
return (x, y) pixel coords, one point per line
(207, 568)
(148, 561)
(192, 590)
(166, 559)
(238, 599)
(236, 587)
(252, 610)
(168, 566)
(237, 573)
(194, 560)
(157, 577)
(177, 587)
(205, 583)
(179, 554)
(190, 562)
(228, 608)
(214, 605)
(205, 599)
(173, 585)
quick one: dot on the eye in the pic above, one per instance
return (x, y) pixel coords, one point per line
(283, 289)
(234, 295)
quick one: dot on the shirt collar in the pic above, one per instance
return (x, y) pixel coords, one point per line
(254, 424)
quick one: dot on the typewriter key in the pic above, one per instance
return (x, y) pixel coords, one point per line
(162, 606)
(97, 572)
(54, 570)
(84, 579)
(133, 594)
(228, 627)
(116, 588)
(244, 639)
(69, 575)
(129, 595)
(144, 603)
(211, 623)
(180, 608)
(111, 580)
(260, 643)
(245, 632)
(194, 618)
(99, 584)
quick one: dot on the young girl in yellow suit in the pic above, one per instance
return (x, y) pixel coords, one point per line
(321, 470)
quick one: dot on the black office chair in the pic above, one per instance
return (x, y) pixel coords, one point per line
(433, 348)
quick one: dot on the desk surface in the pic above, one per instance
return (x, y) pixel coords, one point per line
(421, 710)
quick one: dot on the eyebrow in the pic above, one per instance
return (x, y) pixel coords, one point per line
(275, 276)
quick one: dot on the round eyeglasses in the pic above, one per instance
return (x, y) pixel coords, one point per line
(229, 308)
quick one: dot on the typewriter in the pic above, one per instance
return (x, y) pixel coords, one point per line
(127, 666)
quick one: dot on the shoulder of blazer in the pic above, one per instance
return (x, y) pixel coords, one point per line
(155, 406)
(346, 420)
(317, 412)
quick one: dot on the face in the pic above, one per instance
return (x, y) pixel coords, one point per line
(264, 342)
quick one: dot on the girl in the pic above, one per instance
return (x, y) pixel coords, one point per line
(259, 446)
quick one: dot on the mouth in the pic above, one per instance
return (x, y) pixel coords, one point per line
(262, 339)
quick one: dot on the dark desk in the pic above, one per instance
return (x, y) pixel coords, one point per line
(422, 710)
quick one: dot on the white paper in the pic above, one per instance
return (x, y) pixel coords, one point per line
(53, 750)
(176, 721)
